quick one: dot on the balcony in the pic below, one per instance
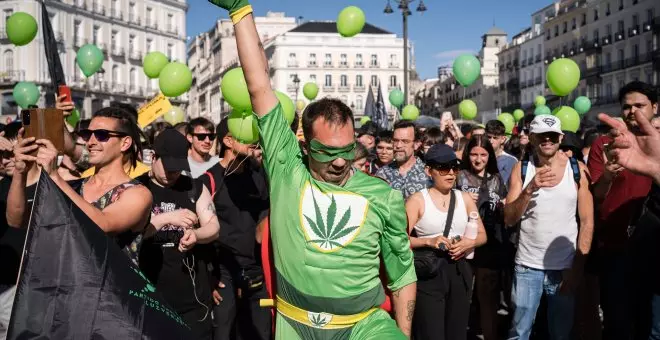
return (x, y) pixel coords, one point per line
(117, 14)
(606, 40)
(538, 58)
(134, 19)
(344, 88)
(633, 31)
(538, 80)
(393, 65)
(530, 61)
(312, 64)
(172, 29)
(98, 8)
(524, 63)
(512, 84)
(374, 65)
(656, 24)
(592, 71)
(82, 4)
(618, 36)
(638, 60)
(523, 84)
(359, 88)
(359, 65)
(530, 82)
(328, 64)
(118, 51)
(11, 76)
(134, 55)
(328, 88)
(119, 88)
(343, 64)
(79, 42)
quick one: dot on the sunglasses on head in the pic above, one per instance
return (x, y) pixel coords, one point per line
(101, 135)
(202, 136)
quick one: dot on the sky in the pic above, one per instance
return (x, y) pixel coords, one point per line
(447, 29)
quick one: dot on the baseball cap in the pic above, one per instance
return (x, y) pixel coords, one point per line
(172, 147)
(545, 123)
(441, 154)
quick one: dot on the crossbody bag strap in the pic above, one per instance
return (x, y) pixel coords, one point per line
(450, 213)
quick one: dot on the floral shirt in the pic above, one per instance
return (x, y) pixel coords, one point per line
(413, 181)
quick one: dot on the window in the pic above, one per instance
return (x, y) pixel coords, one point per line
(9, 60)
(620, 5)
(8, 13)
(584, 19)
(114, 41)
(343, 60)
(608, 30)
(547, 34)
(635, 20)
(374, 80)
(95, 37)
(374, 60)
(565, 26)
(574, 24)
(328, 80)
(393, 81)
(292, 78)
(131, 41)
(133, 77)
(328, 59)
(595, 14)
(524, 55)
(595, 35)
(607, 11)
(170, 22)
(556, 30)
(358, 59)
(76, 32)
(621, 54)
(312, 58)
(169, 51)
(538, 49)
(649, 15)
(115, 74)
(358, 103)
(649, 46)
(358, 80)
(393, 61)
(149, 45)
(312, 78)
(150, 20)
(620, 26)
(343, 80)
(608, 58)
(635, 51)
(292, 59)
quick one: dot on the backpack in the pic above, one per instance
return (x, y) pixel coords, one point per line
(574, 166)
(212, 182)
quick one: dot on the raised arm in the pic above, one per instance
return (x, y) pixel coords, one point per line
(209, 227)
(251, 55)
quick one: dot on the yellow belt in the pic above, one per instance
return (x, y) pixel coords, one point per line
(317, 320)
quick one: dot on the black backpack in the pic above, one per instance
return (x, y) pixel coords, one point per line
(574, 166)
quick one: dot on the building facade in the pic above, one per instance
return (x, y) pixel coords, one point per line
(532, 75)
(509, 63)
(125, 30)
(213, 53)
(342, 68)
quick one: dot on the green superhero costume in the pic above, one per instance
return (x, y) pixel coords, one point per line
(328, 242)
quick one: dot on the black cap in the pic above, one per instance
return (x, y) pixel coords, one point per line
(222, 129)
(571, 140)
(172, 147)
(441, 154)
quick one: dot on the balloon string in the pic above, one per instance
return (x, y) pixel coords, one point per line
(464, 93)
(230, 164)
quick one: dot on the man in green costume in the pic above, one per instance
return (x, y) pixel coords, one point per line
(330, 224)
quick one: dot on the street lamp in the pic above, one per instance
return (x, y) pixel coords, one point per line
(405, 11)
(296, 83)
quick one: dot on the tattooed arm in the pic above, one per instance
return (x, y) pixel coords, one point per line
(209, 227)
(404, 307)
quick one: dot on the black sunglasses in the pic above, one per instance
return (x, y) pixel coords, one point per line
(444, 169)
(202, 136)
(101, 135)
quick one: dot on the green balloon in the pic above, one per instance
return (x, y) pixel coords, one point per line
(518, 114)
(365, 120)
(350, 21)
(21, 28)
(508, 121)
(26, 94)
(539, 101)
(287, 106)
(174, 116)
(175, 79)
(569, 118)
(153, 64)
(466, 69)
(243, 126)
(410, 112)
(310, 90)
(396, 98)
(73, 118)
(542, 110)
(468, 109)
(563, 76)
(234, 90)
(582, 105)
(89, 59)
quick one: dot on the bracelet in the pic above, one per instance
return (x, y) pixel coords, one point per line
(239, 14)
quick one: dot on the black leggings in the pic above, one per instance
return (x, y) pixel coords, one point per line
(443, 304)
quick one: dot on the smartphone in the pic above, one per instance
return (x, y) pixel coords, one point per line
(65, 91)
(44, 124)
(606, 149)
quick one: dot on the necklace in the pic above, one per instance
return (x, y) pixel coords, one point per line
(444, 200)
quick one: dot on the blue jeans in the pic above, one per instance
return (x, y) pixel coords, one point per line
(655, 318)
(528, 286)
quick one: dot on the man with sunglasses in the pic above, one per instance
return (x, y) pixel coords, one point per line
(201, 136)
(240, 193)
(330, 224)
(546, 199)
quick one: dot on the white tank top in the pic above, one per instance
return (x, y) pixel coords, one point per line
(432, 223)
(548, 229)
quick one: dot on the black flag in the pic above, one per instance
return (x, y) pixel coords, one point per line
(52, 55)
(76, 283)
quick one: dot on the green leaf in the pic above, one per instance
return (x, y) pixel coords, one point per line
(314, 227)
(341, 224)
(344, 232)
(336, 244)
(330, 217)
(319, 217)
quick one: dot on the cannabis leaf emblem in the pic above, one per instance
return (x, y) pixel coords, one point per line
(317, 320)
(148, 287)
(328, 233)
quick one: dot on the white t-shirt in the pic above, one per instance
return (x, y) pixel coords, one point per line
(197, 169)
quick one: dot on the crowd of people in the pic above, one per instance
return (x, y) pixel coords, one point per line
(423, 233)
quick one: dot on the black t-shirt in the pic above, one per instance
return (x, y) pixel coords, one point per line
(166, 266)
(241, 200)
(12, 240)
